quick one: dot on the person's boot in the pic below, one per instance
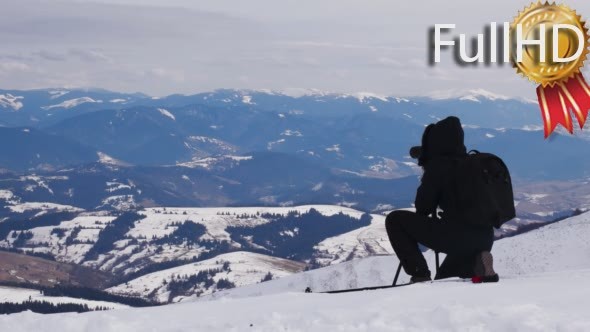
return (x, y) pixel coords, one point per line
(420, 275)
(417, 268)
(483, 270)
(417, 279)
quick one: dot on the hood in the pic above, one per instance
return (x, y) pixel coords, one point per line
(445, 138)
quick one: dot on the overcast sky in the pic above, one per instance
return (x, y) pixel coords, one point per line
(189, 46)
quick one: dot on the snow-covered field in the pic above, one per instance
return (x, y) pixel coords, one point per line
(544, 287)
(531, 303)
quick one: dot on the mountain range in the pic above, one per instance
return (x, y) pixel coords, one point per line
(364, 133)
(182, 196)
(240, 147)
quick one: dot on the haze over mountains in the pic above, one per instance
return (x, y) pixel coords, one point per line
(363, 133)
(236, 147)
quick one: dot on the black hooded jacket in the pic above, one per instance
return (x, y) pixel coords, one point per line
(440, 143)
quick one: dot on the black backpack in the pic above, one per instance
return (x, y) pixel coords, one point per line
(482, 190)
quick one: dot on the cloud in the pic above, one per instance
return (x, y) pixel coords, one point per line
(334, 45)
(8, 67)
(90, 55)
(389, 62)
(199, 45)
(49, 56)
(167, 74)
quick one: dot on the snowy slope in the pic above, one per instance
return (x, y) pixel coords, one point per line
(363, 242)
(245, 268)
(561, 246)
(137, 248)
(216, 220)
(544, 287)
(216, 223)
(42, 207)
(87, 225)
(19, 295)
(371, 271)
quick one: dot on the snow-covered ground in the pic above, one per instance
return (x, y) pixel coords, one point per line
(531, 303)
(544, 287)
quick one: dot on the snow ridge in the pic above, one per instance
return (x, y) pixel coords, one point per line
(72, 103)
(474, 95)
(167, 113)
(10, 101)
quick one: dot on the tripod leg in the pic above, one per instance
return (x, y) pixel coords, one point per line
(399, 268)
(437, 262)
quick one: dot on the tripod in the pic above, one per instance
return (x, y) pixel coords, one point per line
(399, 269)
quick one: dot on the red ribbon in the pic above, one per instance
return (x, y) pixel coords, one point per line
(557, 101)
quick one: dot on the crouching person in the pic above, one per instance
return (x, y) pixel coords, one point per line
(474, 192)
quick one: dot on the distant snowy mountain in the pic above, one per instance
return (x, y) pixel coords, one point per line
(31, 148)
(362, 134)
(247, 180)
(475, 95)
(42, 107)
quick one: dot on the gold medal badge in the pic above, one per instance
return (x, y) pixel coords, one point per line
(556, 68)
